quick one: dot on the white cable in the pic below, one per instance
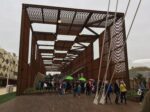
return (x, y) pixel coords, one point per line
(126, 37)
(101, 56)
(127, 8)
(108, 57)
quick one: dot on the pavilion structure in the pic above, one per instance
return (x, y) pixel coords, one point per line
(65, 55)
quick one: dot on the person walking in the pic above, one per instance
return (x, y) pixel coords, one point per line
(123, 91)
(116, 91)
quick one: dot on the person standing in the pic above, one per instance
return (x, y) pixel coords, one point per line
(88, 88)
(123, 91)
(149, 84)
(79, 89)
(141, 89)
(146, 103)
(116, 91)
(64, 86)
(60, 88)
(108, 91)
(75, 87)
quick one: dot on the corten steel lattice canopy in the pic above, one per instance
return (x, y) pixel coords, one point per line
(69, 57)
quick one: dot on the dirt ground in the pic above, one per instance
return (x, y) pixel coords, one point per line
(65, 103)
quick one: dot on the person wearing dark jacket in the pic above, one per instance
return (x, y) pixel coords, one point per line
(141, 88)
(116, 91)
(88, 88)
(108, 91)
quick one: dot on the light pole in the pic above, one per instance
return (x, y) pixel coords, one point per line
(7, 79)
(8, 72)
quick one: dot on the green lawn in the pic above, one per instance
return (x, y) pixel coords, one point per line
(7, 97)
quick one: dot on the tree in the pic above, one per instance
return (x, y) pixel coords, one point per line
(140, 77)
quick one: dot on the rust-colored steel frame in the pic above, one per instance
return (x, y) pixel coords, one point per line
(78, 60)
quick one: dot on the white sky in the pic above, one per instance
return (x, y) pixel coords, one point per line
(138, 43)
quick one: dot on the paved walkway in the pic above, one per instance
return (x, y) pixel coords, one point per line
(67, 103)
(3, 90)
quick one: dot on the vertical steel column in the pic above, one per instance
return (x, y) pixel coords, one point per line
(22, 82)
(32, 67)
(90, 61)
(40, 64)
(109, 68)
(126, 56)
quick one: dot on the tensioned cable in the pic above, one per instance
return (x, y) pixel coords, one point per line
(134, 19)
(127, 36)
(123, 19)
(127, 8)
(109, 52)
(125, 14)
(101, 56)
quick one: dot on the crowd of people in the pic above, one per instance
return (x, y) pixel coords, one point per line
(118, 87)
(90, 87)
(77, 87)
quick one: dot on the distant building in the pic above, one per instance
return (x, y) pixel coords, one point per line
(8, 65)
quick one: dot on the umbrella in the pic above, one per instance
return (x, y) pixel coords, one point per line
(69, 78)
(82, 79)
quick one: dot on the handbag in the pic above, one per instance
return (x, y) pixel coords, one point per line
(139, 92)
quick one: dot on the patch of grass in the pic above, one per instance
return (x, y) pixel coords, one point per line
(132, 93)
(7, 97)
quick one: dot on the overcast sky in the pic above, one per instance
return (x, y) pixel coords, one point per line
(138, 43)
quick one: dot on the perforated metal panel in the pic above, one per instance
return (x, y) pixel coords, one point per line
(69, 21)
